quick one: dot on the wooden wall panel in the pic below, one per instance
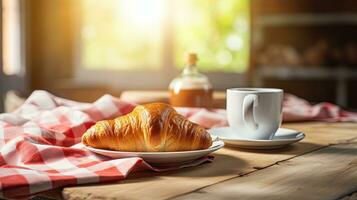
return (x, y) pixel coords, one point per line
(50, 41)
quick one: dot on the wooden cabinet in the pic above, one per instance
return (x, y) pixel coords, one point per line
(315, 48)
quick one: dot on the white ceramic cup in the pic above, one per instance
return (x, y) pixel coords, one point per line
(255, 113)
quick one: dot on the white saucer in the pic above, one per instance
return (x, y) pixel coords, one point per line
(282, 138)
(162, 158)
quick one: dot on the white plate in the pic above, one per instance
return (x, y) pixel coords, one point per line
(162, 158)
(282, 138)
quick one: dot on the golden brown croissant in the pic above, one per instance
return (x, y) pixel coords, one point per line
(150, 127)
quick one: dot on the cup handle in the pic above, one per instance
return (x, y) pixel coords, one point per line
(249, 102)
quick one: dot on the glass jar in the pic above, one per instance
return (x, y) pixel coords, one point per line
(191, 88)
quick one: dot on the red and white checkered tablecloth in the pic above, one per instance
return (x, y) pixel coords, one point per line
(40, 142)
(40, 146)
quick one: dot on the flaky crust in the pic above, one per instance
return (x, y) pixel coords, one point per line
(148, 128)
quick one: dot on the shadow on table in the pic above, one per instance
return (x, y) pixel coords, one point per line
(294, 149)
(341, 149)
(222, 165)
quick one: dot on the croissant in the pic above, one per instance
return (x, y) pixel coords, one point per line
(148, 128)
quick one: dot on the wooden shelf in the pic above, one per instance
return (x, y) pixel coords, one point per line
(307, 19)
(340, 74)
(285, 72)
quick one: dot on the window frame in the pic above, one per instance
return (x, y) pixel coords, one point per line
(159, 78)
(19, 81)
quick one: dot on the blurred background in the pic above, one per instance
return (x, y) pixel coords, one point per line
(82, 49)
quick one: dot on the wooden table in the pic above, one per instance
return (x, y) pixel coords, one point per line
(322, 166)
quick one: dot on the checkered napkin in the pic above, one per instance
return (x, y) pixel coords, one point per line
(40, 146)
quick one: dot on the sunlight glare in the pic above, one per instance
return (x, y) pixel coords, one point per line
(142, 14)
(234, 42)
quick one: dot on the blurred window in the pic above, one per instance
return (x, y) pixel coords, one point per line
(153, 34)
(11, 40)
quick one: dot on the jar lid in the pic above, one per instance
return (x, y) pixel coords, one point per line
(191, 58)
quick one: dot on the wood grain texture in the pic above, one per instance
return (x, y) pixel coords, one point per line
(229, 163)
(328, 173)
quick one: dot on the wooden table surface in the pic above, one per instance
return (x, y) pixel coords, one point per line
(322, 166)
